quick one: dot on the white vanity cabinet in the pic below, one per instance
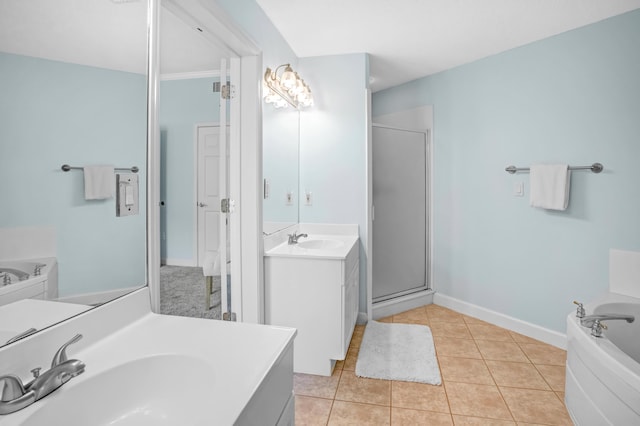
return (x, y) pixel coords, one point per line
(315, 291)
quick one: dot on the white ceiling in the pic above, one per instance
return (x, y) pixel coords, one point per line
(108, 34)
(409, 39)
(406, 39)
(89, 32)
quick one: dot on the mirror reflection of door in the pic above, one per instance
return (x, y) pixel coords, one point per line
(209, 150)
(193, 170)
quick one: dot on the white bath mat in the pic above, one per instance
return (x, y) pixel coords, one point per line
(398, 352)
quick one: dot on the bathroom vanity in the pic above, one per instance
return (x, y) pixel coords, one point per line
(313, 286)
(148, 369)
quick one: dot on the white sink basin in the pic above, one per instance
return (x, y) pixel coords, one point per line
(320, 244)
(155, 390)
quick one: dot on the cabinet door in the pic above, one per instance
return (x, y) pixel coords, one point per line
(350, 307)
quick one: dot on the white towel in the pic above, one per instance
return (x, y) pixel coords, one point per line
(211, 264)
(549, 186)
(99, 182)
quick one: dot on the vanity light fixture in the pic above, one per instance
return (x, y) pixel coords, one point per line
(286, 89)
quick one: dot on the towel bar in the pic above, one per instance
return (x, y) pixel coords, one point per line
(133, 169)
(595, 168)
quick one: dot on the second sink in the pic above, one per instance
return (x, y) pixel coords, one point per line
(320, 244)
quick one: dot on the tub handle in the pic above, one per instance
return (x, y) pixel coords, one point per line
(597, 327)
(580, 311)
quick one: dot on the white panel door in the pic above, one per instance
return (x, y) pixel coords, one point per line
(208, 192)
(399, 212)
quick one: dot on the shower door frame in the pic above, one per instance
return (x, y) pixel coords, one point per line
(406, 299)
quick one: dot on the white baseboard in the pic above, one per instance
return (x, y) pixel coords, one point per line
(401, 304)
(525, 328)
(98, 297)
(363, 318)
(179, 262)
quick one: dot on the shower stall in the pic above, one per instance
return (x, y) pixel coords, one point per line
(400, 186)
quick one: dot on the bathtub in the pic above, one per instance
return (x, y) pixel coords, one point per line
(603, 374)
(30, 279)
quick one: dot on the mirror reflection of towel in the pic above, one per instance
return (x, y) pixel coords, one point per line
(99, 182)
(549, 186)
(211, 264)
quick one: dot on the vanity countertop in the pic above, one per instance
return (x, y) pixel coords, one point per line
(18, 317)
(184, 370)
(337, 247)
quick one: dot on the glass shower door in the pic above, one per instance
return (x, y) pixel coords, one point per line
(399, 212)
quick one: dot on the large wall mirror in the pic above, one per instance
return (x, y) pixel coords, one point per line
(280, 165)
(74, 91)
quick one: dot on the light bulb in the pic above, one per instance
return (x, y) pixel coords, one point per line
(299, 87)
(271, 97)
(308, 99)
(288, 78)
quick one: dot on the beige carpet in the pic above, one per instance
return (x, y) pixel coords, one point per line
(182, 293)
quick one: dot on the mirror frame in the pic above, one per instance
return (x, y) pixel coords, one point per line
(152, 168)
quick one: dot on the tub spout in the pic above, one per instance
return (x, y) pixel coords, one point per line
(589, 320)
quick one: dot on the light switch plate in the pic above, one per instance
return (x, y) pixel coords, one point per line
(518, 189)
(127, 199)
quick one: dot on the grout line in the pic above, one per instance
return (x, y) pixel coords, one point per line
(483, 358)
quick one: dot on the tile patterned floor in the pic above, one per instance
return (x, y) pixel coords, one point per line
(491, 376)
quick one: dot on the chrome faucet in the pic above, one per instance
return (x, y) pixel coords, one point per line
(16, 396)
(589, 320)
(293, 238)
(18, 273)
(37, 270)
(20, 335)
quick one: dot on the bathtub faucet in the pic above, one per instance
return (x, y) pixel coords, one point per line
(37, 270)
(20, 274)
(589, 320)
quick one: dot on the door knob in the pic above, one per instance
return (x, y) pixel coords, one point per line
(202, 204)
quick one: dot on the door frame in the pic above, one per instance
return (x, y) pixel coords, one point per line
(427, 236)
(429, 219)
(220, 25)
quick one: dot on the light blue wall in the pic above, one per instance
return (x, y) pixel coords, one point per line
(280, 164)
(333, 143)
(256, 24)
(54, 113)
(183, 104)
(332, 133)
(280, 126)
(572, 98)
